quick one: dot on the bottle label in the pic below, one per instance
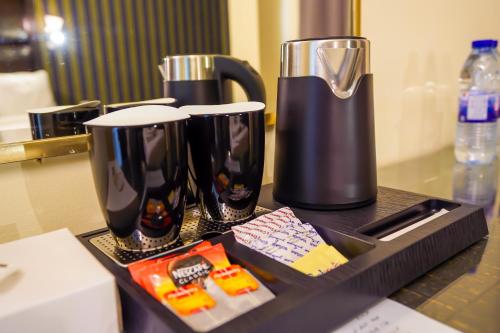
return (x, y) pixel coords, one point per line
(478, 108)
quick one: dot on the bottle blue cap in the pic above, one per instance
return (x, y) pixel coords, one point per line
(484, 43)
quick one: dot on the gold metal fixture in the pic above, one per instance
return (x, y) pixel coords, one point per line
(270, 118)
(356, 17)
(38, 149)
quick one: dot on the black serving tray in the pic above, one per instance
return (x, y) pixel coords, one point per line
(375, 270)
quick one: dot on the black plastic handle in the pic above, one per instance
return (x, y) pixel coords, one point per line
(245, 75)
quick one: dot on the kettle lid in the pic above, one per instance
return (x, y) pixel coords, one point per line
(340, 61)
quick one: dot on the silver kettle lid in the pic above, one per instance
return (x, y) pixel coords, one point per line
(340, 61)
(188, 67)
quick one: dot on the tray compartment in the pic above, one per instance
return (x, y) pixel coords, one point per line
(282, 290)
(258, 262)
(406, 218)
(271, 281)
(349, 246)
(305, 304)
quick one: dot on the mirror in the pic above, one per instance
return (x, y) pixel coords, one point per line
(63, 52)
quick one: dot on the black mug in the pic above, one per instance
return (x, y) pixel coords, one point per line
(205, 79)
(227, 151)
(139, 163)
(62, 120)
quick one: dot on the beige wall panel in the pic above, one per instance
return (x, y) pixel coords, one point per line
(418, 48)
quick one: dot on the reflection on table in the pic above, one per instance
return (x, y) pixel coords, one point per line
(463, 292)
(476, 184)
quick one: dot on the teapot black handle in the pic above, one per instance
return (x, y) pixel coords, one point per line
(245, 75)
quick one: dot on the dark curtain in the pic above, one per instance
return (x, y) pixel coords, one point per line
(112, 48)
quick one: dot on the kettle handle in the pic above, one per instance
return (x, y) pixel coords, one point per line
(240, 71)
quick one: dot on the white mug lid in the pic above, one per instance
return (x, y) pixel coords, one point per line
(65, 108)
(157, 101)
(223, 109)
(139, 116)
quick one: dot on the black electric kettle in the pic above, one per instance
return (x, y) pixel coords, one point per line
(325, 133)
(195, 79)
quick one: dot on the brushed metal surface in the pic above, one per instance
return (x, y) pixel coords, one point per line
(341, 62)
(343, 19)
(188, 67)
(193, 230)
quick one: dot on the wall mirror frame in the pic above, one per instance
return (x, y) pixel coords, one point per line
(39, 149)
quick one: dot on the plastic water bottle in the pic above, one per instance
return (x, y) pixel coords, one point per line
(476, 184)
(477, 119)
(498, 101)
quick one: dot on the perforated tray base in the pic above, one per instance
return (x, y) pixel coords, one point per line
(193, 230)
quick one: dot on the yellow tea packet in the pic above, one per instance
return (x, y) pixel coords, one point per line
(319, 260)
(234, 280)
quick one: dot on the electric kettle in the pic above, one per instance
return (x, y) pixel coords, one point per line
(202, 79)
(325, 137)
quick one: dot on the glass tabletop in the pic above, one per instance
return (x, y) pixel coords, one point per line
(464, 291)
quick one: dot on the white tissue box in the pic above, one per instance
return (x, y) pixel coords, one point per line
(56, 286)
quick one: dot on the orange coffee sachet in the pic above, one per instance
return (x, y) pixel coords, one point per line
(180, 280)
(234, 280)
(189, 299)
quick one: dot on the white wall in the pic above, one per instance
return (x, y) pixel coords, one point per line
(418, 48)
